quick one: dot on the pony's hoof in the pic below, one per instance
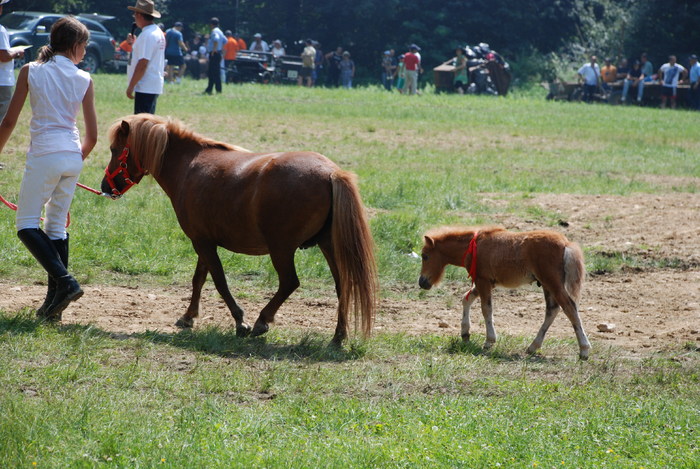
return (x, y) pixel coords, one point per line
(465, 338)
(488, 345)
(259, 329)
(243, 330)
(184, 323)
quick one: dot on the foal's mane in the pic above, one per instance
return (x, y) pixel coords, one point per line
(459, 233)
(149, 135)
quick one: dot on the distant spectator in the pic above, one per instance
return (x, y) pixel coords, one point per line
(215, 47)
(258, 44)
(347, 70)
(230, 48)
(7, 68)
(333, 59)
(461, 79)
(277, 49)
(412, 64)
(647, 68)
(694, 92)
(174, 47)
(318, 63)
(308, 56)
(622, 69)
(388, 69)
(589, 75)
(608, 74)
(635, 78)
(401, 74)
(241, 42)
(669, 74)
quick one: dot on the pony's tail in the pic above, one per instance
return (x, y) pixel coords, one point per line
(353, 248)
(574, 270)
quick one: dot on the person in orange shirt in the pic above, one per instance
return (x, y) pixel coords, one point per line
(230, 50)
(241, 42)
(608, 74)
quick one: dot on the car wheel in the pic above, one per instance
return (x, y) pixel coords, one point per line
(90, 62)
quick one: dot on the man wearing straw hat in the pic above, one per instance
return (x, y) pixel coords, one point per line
(147, 61)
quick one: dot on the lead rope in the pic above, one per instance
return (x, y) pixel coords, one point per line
(95, 191)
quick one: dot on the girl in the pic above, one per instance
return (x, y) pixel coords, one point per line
(347, 70)
(461, 80)
(56, 89)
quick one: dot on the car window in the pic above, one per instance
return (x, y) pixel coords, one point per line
(93, 27)
(47, 22)
(17, 21)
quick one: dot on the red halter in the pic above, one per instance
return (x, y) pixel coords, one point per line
(123, 170)
(472, 268)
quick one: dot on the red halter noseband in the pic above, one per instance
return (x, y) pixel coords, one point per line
(123, 170)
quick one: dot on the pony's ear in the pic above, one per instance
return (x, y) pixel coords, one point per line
(429, 242)
(125, 128)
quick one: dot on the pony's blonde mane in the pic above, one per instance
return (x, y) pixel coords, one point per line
(149, 135)
(459, 233)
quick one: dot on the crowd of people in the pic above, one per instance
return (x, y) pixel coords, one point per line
(641, 73)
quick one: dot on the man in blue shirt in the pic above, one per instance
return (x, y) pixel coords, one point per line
(694, 71)
(174, 45)
(215, 47)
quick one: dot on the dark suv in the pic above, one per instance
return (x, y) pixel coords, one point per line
(33, 27)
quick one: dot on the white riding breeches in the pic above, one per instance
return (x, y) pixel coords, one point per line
(49, 181)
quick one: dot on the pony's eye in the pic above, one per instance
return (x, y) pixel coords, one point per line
(424, 257)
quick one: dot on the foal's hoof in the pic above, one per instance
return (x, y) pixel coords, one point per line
(243, 330)
(465, 338)
(259, 329)
(184, 323)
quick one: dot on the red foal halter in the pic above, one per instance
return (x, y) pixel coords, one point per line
(472, 268)
(123, 170)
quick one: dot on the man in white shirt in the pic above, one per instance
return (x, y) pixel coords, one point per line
(7, 67)
(147, 62)
(590, 75)
(669, 74)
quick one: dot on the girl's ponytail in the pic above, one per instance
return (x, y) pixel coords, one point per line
(46, 53)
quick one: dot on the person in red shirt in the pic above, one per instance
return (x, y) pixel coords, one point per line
(412, 63)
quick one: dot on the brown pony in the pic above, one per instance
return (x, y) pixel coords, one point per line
(256, 204)
(494, 256)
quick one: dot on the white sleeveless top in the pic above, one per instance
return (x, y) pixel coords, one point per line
(56, 92)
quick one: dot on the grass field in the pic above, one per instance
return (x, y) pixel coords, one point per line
(77, 396)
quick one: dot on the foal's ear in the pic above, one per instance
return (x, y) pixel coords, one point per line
(125, 127)
(429, 243)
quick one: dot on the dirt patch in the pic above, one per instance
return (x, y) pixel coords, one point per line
(652, 308)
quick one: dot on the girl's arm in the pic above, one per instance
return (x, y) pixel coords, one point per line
(90, 117)
(16, 104)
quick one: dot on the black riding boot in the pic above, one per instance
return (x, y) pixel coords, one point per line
(44, 251)
(61, 246)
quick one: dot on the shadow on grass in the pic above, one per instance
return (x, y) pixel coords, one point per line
(504, 353)
(273, 346)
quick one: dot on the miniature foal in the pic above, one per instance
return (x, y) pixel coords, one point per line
(494, 256)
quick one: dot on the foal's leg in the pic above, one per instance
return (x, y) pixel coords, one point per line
(207, 252)
(550, 314)
(288, 282)
(341, 329)
(467, 301)
(571, 311)
(198, 279)
(484, 289)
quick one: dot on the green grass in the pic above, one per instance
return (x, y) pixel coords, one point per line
(76, 396)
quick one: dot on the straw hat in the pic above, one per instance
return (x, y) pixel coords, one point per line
(145, 7)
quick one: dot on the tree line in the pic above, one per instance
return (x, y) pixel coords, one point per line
(542, 39)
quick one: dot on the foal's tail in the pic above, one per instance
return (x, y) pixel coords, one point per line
(574, 270)
(354, 251)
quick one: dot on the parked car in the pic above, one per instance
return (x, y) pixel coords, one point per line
(32, 28)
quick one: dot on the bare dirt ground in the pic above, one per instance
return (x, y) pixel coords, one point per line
(652, 308)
